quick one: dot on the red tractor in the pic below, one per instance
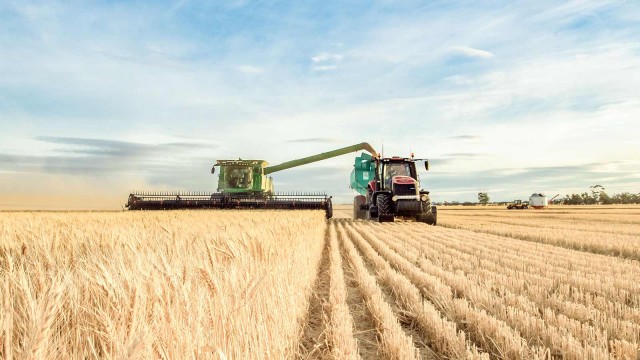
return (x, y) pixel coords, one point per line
(390, 188)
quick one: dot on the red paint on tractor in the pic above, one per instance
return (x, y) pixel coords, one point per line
(372, 185)
(403, 180)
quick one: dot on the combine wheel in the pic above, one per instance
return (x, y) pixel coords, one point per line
(384, 208)
(358, 213)
(329, 209)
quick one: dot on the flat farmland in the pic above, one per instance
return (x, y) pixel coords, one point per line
(486, 283)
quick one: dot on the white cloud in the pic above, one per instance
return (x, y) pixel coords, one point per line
(459, 80)
(325, 61)
(325, 67)
(249, 69)
(326, 57)
(471, 52)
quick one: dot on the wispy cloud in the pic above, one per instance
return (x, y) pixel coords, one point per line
(325, 67)
(326, 57)
(315, 140)
(122, 149)
(326, 61)
(471, 52)
(99, 161)
(464, 155)
(249, 69)
(466, 137)
(506, 183)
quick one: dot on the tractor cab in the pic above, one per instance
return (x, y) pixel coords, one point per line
(397, 170)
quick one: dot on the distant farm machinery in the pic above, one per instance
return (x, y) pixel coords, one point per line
(536, 201)
(518, 205)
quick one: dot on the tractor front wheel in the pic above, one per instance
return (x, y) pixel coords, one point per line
(430, 218)
(385, 213)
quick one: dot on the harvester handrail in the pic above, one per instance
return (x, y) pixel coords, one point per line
(322, 156)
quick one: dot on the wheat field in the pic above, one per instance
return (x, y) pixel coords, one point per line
(486, 284)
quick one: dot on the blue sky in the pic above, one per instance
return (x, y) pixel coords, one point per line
(508, 97)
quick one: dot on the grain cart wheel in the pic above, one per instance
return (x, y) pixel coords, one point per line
(384, 208)
(358, 213)
(372, 211)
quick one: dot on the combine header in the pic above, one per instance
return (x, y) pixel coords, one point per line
(245, 184)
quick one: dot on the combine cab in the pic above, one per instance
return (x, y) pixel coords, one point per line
(244, 184)
(390, 188)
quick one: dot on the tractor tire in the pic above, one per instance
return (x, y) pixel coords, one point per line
(358, 213)
(385, 213)
(430, 218)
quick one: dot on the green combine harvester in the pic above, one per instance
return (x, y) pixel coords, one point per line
(245, 184)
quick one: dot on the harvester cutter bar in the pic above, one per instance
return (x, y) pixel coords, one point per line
(205, 200)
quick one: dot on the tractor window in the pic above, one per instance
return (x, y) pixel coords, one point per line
(238, 177)
(401, 169)
(395, 169)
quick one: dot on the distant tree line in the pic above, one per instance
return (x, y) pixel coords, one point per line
(597, 195)
(457, 203)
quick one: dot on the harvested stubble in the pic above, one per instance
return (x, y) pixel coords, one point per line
(172, 285)
(519, 313)
(608, 232)
(341, 340)
(488, 333)
(442, 335)
(393, 342)
(585, 287)
(585, 304)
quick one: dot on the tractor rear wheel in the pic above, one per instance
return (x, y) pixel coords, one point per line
(358, 212)
(385, 214)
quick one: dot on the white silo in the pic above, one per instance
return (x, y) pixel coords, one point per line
(538, 201)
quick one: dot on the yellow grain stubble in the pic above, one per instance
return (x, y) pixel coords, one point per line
(342, 342)
(442, 335)
(393, 341)
(491, 334)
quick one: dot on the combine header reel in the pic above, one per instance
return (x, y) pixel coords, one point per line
(245, 184)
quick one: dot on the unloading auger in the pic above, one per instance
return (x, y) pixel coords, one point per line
(245, 184)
